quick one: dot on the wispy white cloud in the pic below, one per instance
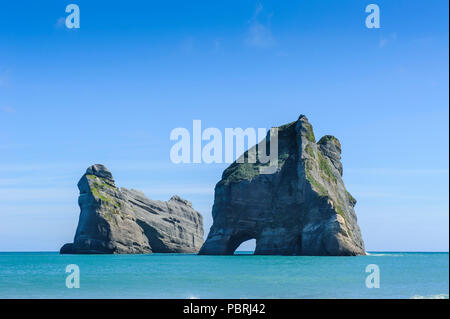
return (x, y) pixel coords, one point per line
(187, 45)
(217, 45)
(69, 194)
(384, 41)
(33, 181)
(41, 167)
(7, 109)
(60, 23)
(259, 34)
(394, 195)
(3, 79)
(179, 190)
(56, 211)
(397, 171)
(24, 195)
(68, 168)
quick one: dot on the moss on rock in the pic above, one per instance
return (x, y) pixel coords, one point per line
(101, 190)
(317, 186)
(310, 151)
(325, 169)
(309, 132)
(350, 198)
(330, 138)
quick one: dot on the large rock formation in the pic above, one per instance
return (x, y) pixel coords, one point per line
(301, 209)
(124, 221)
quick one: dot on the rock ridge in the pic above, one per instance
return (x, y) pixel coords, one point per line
(301, 209)
(125, 221)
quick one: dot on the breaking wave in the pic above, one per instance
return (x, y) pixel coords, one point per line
(438, 296)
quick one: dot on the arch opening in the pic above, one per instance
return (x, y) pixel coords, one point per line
(246, 247)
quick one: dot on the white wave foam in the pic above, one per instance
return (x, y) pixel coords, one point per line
(393, 255)
(438, 296)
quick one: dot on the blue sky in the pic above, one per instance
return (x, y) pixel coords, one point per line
(112, 91)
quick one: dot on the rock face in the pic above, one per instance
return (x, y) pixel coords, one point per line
(301, 209)
(124, 221)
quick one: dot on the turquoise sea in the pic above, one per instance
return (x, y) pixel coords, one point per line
(402, 275)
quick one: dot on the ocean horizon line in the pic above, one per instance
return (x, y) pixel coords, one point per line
(239, 251)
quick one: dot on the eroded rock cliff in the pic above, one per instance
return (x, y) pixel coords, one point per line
(124, 221)
(301, 209)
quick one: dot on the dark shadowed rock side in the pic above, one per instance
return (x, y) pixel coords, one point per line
(124, 221)
(301, 209)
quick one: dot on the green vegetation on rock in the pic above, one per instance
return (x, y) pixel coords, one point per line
(97, 194)
(328, 138)
(310, 150)
(319, 188)
(100, 188)
(340, 211)
(309, 132)
(241, 171)
(237, 172)
(325, 168)
(350, 198)
(286, 126)
(305, 194)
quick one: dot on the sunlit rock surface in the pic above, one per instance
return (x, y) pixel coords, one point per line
(124, 221)
(301, 209)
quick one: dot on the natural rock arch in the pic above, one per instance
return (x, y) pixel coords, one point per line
(244, 247)
(237, 241)
(301, 209)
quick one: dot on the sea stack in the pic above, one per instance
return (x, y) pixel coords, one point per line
(303, 208)
(125, 221)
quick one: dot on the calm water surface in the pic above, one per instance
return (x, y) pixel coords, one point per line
(402, 275)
